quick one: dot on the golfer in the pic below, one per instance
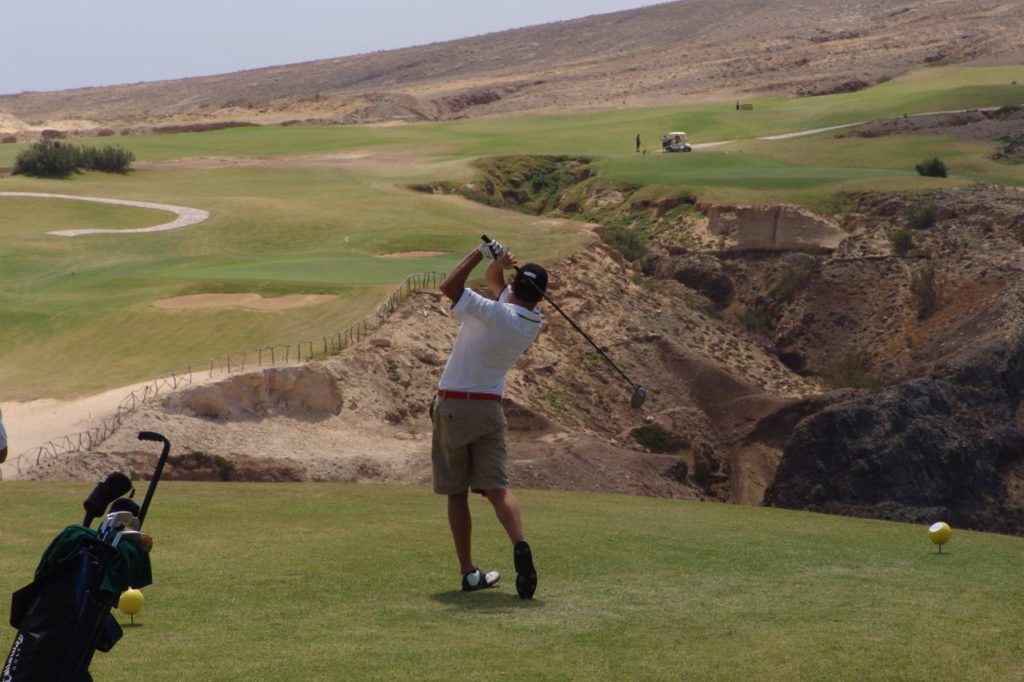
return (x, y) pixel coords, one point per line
(469, 449)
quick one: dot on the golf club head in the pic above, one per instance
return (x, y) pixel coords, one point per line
(639, 397)
(117, 521)
(133, 535)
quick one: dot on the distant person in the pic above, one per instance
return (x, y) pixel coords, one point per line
(638, 143)
(469, 451)
(3, 439)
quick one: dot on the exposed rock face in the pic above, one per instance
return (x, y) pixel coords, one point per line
(773, 228)
(947, 446)
(307, 392)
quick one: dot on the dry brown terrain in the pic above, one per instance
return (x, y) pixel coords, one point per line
(362, 415)
(664, 54)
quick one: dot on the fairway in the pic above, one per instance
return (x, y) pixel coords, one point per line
(335, 581)
(311, 210)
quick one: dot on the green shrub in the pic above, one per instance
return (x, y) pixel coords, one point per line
(630, 243)
(657, 439)
(797, 272)
(921, 216)
(932, 168)
(756, 317)
(48, 159)
(852, 370)
(924, 291)
(114, 159)
(902, 241)
(54, 159)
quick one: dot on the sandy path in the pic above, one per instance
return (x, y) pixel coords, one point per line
(186, 216)
(33, 423)
(30, 424)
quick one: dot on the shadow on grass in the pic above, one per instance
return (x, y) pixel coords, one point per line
(485, 600)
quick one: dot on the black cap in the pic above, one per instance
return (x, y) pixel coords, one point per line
(531, 282)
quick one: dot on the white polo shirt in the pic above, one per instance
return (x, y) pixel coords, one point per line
(491, 338)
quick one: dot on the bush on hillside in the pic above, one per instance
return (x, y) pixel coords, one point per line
(932, 168)
(921, 217)
(629, 242)
(902, 241)
(925, 291)
(852, 370)
(797, 273)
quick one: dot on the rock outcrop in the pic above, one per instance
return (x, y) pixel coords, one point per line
(306, 392)
(773, 228)
(947, 446)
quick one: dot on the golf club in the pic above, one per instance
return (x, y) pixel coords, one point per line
(157, 438)
(639, 392)
(115, 522)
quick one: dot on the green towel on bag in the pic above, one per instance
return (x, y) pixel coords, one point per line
(129, 567)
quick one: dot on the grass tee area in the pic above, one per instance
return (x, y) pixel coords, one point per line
(313, 209)
(334, 581)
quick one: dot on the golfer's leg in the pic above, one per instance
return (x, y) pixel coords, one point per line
(462, 529)
(506, 507)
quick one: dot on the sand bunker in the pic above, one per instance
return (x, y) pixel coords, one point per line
(186, 216)
(251, 301)
(413, 254)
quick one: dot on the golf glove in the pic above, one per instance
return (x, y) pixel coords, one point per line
(492, 250)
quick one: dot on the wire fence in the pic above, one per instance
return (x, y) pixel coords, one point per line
(232, 363)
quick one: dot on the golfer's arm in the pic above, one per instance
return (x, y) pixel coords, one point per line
(495, 276)
(455, 283)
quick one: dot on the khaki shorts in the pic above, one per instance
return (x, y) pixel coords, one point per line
(468, 449)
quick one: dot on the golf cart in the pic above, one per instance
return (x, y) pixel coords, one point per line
(675, 142)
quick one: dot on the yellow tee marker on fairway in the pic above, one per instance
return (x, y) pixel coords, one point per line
(130, 603)
(940, 533)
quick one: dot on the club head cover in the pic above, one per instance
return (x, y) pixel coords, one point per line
(106, 491)
(124, 504)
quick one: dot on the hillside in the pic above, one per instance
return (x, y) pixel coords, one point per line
(825, 369)
(665, 54)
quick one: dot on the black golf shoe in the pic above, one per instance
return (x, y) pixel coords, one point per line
(526, 574)
(478, 580)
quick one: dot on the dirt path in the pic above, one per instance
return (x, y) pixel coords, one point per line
(186, 216)
(815, 131)
(30, 424)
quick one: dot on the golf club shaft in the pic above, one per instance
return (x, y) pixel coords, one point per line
(577, 328)
(149, 435)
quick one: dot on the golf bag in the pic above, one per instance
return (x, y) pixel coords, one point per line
(63, 615)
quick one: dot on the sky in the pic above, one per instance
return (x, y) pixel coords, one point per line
(62, 44)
